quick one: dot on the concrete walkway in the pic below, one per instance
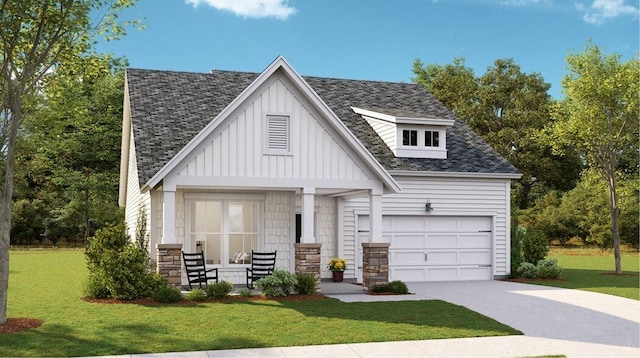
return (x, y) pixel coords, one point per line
(554, 321)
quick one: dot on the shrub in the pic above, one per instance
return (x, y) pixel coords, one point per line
(278, 284)
(119, 266)
(535, 245)
(397, 287)
(245, 292)
(306, 284)
(168, 294)
(219, 290)
(548, 269)
(197, 294)
(516, 251)
(528, 270)
(94, 288)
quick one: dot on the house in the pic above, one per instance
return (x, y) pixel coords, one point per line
(379, 173)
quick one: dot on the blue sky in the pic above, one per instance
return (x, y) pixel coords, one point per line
(374, 39)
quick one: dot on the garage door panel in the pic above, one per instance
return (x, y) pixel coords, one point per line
(415, 274)
(481, 257)
(408, 240)
(477, 240)
(404, 223)
(443, 224)
(442, 274)
(407, 258)
(474, 273)
(442, 257)
(435, 241)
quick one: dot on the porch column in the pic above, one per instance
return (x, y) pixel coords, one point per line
(169, 217)
(375, 253)
(307, 259)
(375, 216)
(169, 263)
(308, 209)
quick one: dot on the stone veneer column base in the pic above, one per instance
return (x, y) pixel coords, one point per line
(375, 264)
(308, 260)
(169, 263)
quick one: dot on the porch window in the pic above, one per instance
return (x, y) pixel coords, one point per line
(225, 230)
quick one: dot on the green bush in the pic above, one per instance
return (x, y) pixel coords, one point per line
(245, 292)
(535, 245)
(516, 251)
(278, 284)
(219, 290)
(548, 269)
(306, 284)
(528, 270)
(197, 294)
(396, 287)
(168, 294)
(119, 265)
(94, 287)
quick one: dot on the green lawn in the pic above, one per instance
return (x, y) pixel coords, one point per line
(592, 270)
(47, 285)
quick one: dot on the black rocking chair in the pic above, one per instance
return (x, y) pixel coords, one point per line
(197, 273)
(262, 265)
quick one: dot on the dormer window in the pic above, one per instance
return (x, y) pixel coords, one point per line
(409, 134)
(431, 139)
(409, 138)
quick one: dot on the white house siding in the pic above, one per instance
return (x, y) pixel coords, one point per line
(236, 147)
(134, 199)
(448, 197)
(387, 131)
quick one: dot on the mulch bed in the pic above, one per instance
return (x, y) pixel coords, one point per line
(15, 325)
(151, 301)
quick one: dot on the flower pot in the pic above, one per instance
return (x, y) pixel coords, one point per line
(338, 276)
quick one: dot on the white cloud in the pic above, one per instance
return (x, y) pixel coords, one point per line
(603, 10)
(256, 9)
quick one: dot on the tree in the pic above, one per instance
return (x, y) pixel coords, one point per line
(75, 136)
(509, 109)
(37, 36)
(599, 118)
(455, 85)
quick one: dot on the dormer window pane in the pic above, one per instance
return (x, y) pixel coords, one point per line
(431, 139)
(410, 138)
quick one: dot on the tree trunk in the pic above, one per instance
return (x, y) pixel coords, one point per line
(6, 195)
(615, 229)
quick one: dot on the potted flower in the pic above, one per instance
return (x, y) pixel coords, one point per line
(337, 266)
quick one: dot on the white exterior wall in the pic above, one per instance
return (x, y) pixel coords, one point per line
(449, 197)
(134, 199)
(236, 147)
(387, 131)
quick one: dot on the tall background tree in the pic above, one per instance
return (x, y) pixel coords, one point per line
(599, 118)
(37, 38)
(509, 109)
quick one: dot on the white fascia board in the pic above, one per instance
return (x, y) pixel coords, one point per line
(403, 120)
(124, 147)
(397, 173)
(278, 63)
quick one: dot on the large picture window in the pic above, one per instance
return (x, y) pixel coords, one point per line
(225, 230)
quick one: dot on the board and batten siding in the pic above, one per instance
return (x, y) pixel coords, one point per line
(448, 197)
(237, 149)
(135, 199)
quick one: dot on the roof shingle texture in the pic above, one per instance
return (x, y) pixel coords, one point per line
(169, 108)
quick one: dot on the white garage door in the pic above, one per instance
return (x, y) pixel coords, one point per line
(436, 248)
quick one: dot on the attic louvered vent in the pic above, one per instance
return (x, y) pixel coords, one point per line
(278, 134)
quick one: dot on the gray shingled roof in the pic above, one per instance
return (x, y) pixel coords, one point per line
(169, 108)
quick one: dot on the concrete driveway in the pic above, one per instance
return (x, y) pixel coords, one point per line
(545, 312)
